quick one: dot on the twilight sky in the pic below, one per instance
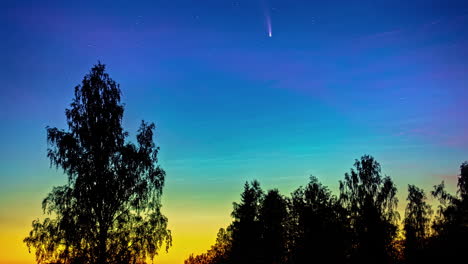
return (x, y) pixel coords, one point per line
(336, 80)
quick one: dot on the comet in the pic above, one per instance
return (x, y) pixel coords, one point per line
(266, 13)
(268, 23)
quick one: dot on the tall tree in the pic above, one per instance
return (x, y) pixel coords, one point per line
(320, 225)
(416, 225)
(451, 222)
(273, 217)
(371, 202)
(246, 225)
(109, 210)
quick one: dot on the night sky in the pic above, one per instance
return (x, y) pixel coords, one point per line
(239, 90)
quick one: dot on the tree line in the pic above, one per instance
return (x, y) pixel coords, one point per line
(359, 225)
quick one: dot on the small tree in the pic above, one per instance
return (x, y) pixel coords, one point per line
(218, 253)
(109, 210)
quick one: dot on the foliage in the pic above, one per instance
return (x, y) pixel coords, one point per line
(360, 226)
(313, 225)
(273, 216)
(416, 224)
(371, 202)
(451, 222)
(218, 253)
(319, 225)
(246, 225)
(109, 210)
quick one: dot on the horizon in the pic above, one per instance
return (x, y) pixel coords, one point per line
(238, 90)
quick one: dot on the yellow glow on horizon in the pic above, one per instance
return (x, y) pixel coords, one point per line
(192, 232)
(194, 222)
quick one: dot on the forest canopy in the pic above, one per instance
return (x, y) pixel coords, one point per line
(360, 224)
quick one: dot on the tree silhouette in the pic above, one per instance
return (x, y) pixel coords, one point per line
(219, 252)
(463, 181)
(451, 222)
(246, 226)
(360, 226)
(109, 210)
(416, 225)
(319, 225)
(273, 217)
(371, 201)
